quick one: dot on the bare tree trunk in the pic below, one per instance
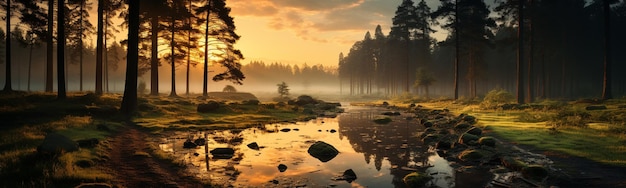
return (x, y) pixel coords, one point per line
(99, 47)
(456, 59)
(30, 65)
(520, 54)
(49, 48)
(129, 101)
(606, 84)
(172, 57)
(154, 61)
(205, 73)
(7, 85)
(80, 45)
(61, 94)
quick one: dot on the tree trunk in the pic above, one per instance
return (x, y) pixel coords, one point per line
(520, 54)
(7, 85)
(99, 47)
(606, 84)
(531, 81)
(205, 73)
(49, 47)
(188, 52)
(129, 102)
(80, 45)
(456, 59)
(30, 65)
(106, 53)
(172, 57)
(61, 50)
(154, 59)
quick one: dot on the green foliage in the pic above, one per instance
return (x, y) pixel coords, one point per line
(496, 97)
(283, 89)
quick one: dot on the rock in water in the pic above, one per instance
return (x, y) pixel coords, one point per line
(189, 144)
(223, 153)
(323, 151)
(349, 175)
(253, 146)
(282, 167)
(200, 141)
(416, 179)
(55, 143)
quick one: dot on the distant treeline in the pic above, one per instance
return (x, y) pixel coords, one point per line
(304, 76)
(563, 49)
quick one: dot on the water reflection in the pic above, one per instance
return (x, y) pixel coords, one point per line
(380, 155)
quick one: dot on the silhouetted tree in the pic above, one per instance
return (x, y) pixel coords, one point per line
(61, 50)
(129, 101)
(283, 89)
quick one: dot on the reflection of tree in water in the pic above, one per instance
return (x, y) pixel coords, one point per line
(395, 142)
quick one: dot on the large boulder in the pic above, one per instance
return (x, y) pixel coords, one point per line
(487, 141)
(208, 107)
(323, 151)
(471, 155)
(55, 143)
(475, 131)
(349, 175)
(304, 100)
(468, 139)
(223, 153)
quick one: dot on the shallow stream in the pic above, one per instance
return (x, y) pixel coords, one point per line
(380, 155)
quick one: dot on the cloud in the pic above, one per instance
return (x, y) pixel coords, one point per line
(308, 19)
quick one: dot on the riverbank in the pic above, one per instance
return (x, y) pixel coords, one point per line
(94, 124)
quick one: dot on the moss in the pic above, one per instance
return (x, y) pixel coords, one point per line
(415, 180)
(471, 155)
(487, 141)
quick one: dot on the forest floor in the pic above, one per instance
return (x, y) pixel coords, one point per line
(132, 164)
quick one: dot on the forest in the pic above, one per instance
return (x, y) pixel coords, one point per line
(564, 49)
(517, 93)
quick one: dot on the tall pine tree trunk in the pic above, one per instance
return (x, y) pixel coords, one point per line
(129, 102)
(457, 46)
(30, 65)
(49, 48)
(606, 84)
(520, 53)
(99, 47)
(205, 73)
(61, 50)
(172, 57)
(154, 61)
(7, 85)
(80, 44)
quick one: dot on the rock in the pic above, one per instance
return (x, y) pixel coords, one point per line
(333, 131)
(385, 103)
(462, 126)
(596, 107)
(430, 130)
(223, 153)
(188, 144)
(471, 155)
(200, 141)
(443, 145)
(253, 146)
(430, 138)
(285, 130)
(251, 102)
(471, 176)
(475, 131)
(382, 120)
(282, 167)
(274, 181)
(428, 124)
(94, 185)
(535, 172)
(55, 143)
(469, 119)
(513, 164)
(416, 179)
(323, 151)
(487, 141)
(468, 139)
(391, 113)
(88, 143)
(349, 175)
(304, 100)
(208, 107)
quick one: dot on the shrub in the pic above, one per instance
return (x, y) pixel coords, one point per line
(229, 89)
(496, 97)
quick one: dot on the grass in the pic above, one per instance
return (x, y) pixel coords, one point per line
(27, 117)
(564, 127)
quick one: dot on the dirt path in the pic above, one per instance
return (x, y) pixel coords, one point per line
(132, 170)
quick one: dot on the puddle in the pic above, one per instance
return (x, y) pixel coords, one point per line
(380, 155)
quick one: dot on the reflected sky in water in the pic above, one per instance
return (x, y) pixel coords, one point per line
(380, 155)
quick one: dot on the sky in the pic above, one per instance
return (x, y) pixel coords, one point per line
(308, 31)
